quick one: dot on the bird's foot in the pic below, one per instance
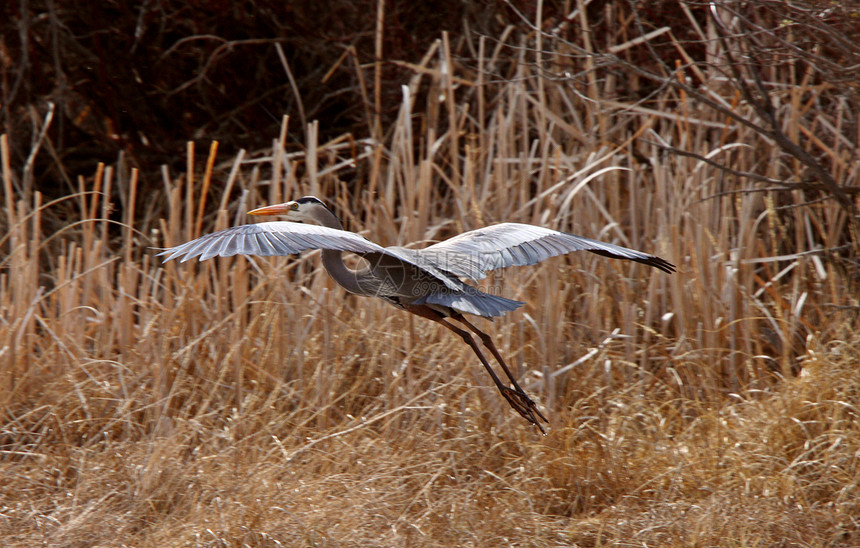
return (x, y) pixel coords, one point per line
(524, 405)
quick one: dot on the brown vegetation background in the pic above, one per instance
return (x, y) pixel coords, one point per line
(251, 402)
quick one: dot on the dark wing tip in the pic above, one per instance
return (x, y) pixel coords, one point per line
(661, 264)
(650, 260)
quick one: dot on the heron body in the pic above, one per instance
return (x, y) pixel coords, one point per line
(426, 282)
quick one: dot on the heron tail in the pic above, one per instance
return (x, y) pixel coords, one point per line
(472, 301)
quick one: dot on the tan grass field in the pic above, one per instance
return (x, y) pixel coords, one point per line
(252, 402)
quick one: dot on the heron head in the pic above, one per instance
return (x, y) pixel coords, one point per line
(307, 209)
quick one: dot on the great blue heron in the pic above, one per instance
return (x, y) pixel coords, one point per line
(425, 282)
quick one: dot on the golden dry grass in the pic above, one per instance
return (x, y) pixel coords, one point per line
(251, 402)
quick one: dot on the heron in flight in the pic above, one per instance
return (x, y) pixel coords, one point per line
(426, 282)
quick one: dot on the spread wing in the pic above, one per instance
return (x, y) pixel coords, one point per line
(272, 238)
(471, 254)
(288, 238)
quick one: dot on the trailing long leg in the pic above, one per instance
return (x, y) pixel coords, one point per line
(517, 399)
(488, 342)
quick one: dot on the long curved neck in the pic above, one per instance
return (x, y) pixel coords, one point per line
(332, 260)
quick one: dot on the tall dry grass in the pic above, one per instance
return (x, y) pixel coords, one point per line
(250, 401)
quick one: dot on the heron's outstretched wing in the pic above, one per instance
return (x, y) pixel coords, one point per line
(272, 238)
(289, 238)
(472, 253)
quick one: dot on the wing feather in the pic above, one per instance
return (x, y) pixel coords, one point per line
(471, 254)
(271, 238)
(289, 238)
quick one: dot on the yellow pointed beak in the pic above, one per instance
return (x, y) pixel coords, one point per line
(277, 209)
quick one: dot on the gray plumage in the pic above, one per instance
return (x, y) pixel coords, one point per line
(426, 276)
(426, 282)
